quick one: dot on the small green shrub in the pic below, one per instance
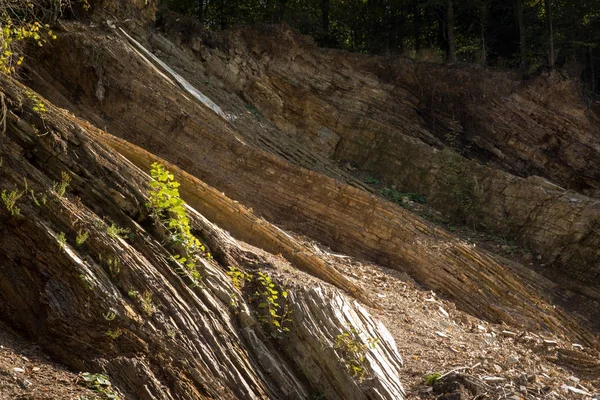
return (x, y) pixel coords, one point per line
(238, 277)
(61, 188)
(274, 315)
(85, 282)
(15, 32)
(168, 209)
(431, 379)
(114, 266)
(81, 237)
(133, 294)
(38, 105)
(252, 110)
(109, 315)
(38, 202)
(458, 181)
(372, 181)
(10, 201)
(112, 263)
(62, 240)
(100, 383)
(396, 196)
(147, 305)
(116, 232)
(353, 351)
(114, 333)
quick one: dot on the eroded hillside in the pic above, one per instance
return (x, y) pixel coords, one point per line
(291, 131)
(362, 120)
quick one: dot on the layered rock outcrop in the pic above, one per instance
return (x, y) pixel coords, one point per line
(250, 165)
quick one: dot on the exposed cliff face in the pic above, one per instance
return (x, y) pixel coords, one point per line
(207, 146)
(119, 303)
(274, 118)
(399, 120)
(542, 126)
(324, 106)
(538, 127)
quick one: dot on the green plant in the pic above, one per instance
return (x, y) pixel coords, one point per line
(416, 197)
(171, 333)
(431, 379)
(14, 32)
(100, 383)
(271, 312)
(114, 266)
(116, 232)
(238, 277)
(252, 110)
(86, 283)
(62, 240)
(38, 105)
(81, 237)
(168, 209)
(61, 188)
(10, 200)
(109, 315)
(352, 351)
(371, 180)
(114, 333)
(38, 202)
(397, 197)
(147, 305)
(457, 180)
(133, 294)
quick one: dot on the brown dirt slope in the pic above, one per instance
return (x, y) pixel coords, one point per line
(26, 372)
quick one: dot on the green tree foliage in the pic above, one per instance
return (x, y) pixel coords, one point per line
(23, 21)
(526, 34)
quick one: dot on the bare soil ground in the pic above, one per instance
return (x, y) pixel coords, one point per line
(26, 373)
(477, 359)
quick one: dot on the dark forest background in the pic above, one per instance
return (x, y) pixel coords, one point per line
(522, 34)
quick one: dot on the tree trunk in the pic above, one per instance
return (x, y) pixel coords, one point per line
(450, 34)
(551, 55)
(483, 24)
(201, 11)
(522, 39)
(593, 72)
(325, 20)
(222, 13)
(417, 27)
(281, 10)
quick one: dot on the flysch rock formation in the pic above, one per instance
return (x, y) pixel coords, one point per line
(255, 131)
